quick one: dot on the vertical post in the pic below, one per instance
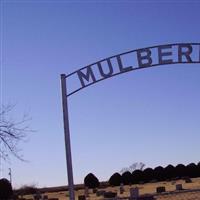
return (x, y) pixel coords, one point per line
(10, 174)
(67, 137)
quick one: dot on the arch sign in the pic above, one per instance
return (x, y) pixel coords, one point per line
(118, 64)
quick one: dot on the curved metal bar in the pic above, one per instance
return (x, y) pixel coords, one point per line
(75, 91)
(136, 68)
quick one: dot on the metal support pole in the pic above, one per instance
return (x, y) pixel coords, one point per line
(67, 138)
(10, 174)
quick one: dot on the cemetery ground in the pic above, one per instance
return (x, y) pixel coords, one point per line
(190, 191)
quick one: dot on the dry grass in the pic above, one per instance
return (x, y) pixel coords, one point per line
(148, 188)
(180, 196)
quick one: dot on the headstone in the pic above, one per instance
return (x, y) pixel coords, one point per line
(45, 197)
(110, 194)
(134, 193)
(15, 197)
(121, 189)
(37, 196)
(160, 189)
(94, 190)
(81, 197)
(179, 187)
(188, 180)
(86, 192)
(173, 182)
(100, 193)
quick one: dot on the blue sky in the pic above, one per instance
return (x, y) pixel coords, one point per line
(150, 115)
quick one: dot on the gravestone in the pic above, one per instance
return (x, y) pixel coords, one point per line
(86, 192)
(188, 180)
(81, 197)
(45, 197)
(179, 187)
(173, 182)
(134, 193)
(110, 194)
(100, 193)
(15, 197)
(121, 188)
(37, 196)
(94, 190)
(160, 189)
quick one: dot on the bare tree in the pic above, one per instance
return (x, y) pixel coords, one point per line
(134, 166)
(11, 133)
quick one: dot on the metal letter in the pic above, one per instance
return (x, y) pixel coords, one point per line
(110, 69)
(144, 57)
(89, 73)
(186, 53)
(121, 67)
(161, 54)
(67, 137)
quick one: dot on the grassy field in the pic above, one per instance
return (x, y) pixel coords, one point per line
(148, 188)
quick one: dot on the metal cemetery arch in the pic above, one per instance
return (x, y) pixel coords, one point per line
(184, 53)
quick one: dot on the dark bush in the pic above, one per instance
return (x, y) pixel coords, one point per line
(26, 190)
(180, 171)
(137, 176)
(148, 175)
(192, 170)
(91, 181)
(115, 179)
(127, 178)
(14, 196)
(169, 172)
(6, 191)
(159, 174)
(198, 169)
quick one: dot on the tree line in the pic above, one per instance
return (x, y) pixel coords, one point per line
(159, 173)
